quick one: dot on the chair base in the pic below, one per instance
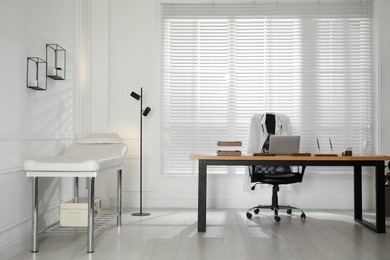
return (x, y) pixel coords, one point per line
(276, 209)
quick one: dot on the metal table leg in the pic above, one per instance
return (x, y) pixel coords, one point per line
(202, 189)
(357, 184)
(76, 189)
(380, 225)
(91, 209)
(380, 197)
(119, 198)
(34, 239)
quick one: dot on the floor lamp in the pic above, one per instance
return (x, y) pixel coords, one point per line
(143, 112)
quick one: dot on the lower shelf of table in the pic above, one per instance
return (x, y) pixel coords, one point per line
(100, 222)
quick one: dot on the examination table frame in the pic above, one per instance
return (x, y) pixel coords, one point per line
(90, 177)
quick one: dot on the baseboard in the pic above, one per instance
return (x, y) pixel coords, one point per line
(16, 236)
(15, 247)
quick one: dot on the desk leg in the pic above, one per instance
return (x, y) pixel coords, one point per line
(119, 199)
(380, 197)
(202, 190)
(34, 238)
(380, 226)
(91, 209)
(357, 175)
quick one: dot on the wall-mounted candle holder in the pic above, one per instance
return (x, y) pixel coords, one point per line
(56, 61)
(36, 73)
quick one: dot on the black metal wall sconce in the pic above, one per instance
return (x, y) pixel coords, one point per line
(36, 73)
(56, 61)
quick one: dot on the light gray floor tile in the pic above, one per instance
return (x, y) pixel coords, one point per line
(172, 235)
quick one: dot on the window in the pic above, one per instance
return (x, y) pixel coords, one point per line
(224, 62)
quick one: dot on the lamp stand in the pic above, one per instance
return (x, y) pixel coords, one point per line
(140, 213)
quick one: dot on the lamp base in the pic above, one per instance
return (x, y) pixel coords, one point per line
(140, 214)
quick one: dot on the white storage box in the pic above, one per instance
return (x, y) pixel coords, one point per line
(76, 214)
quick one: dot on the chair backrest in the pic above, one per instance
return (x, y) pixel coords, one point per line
(271, 124)
(262, 125)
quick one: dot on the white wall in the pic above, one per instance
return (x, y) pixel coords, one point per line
(113, 49)
(33, 123)
(130, 47)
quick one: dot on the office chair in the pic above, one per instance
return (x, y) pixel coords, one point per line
(273, 175)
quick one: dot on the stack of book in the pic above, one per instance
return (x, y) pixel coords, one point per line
(229, 148)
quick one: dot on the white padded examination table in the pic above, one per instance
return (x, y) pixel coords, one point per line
(89, 157)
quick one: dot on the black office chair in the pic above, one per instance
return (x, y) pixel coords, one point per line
(274, 175)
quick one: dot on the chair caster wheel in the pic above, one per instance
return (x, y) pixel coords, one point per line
(256, 211)
(277, 218)
(248, 215)
(289, 211)
(303, 216)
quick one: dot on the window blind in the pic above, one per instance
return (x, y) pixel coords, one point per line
(221, 63)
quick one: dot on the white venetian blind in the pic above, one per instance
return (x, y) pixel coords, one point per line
(221, 63)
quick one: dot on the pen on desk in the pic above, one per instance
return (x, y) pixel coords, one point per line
(331, 146)
(318, 146)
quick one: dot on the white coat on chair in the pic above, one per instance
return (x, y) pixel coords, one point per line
(258, 134)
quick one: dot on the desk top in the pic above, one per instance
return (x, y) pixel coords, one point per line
(290, 158)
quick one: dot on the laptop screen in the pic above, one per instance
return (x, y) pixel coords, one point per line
(287, 144)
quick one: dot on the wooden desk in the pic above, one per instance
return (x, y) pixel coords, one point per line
(357, 162)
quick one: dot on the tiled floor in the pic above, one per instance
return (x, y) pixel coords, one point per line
(172, 234)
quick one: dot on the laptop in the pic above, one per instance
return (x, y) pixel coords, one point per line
(284, 145)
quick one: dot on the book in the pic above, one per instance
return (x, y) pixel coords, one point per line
(229, 143)
(229, 153)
